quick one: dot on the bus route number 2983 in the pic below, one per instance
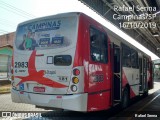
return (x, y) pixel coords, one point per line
(21, 65)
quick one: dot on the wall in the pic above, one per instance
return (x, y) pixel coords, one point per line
(7, 39)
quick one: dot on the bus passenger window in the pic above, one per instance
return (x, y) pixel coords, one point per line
(134, 58)
(95, 50)
(98, 46)
(62, 60)
(148, 65)
(126, 56)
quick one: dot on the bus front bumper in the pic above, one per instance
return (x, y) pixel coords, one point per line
(75, 102)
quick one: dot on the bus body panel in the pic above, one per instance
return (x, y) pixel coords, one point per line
(47, 72)
(35, 69)
(132, 78)
(96, 89)
(81, 56)
(77, 102)
(43, 75)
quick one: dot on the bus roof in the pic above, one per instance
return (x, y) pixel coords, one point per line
(51, 16)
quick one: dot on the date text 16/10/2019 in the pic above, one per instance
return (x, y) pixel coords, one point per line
(137, 24)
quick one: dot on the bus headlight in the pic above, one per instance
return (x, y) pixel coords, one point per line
(75, 80)
(74, 88)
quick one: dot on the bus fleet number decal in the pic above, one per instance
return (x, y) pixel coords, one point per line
(98, 78)
(21, 65)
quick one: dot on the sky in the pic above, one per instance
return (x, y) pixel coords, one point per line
(13, 12)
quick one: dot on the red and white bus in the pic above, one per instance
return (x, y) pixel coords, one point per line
(70, 61)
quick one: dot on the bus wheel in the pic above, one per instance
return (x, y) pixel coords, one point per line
(125, 98)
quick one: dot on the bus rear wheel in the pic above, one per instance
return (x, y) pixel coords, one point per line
(125, 98)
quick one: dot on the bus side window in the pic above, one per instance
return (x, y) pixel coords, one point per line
(95, 50)
(148, 65)
(134, 58)
(126, 56)
(98, 46)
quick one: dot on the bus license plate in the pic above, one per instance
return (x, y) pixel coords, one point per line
(39, 89)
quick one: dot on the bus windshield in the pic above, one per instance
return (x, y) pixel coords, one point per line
(46, 34)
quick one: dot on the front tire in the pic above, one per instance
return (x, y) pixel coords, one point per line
(125, 98)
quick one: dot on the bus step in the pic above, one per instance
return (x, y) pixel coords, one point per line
(115, 104)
